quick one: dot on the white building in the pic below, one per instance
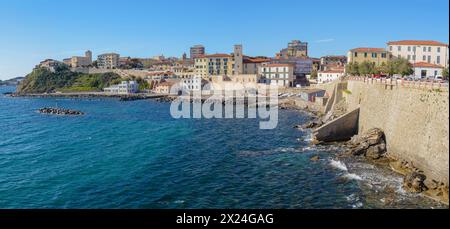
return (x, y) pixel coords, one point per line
(328, 76)
(277, 74)
(124, 88)
(424, 70)
(192, 84)
(432, 52)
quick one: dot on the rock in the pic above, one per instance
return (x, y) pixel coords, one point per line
(415, 182)
(315, 158)
(371, 144)
(59, 111)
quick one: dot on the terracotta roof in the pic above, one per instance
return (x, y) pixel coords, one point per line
(166, 84)
(426, 65)
(217, 55)
(368, 50)
(256, 60)
(417, 42)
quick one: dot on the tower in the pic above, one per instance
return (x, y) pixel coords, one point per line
(238, 60)
(88, 55)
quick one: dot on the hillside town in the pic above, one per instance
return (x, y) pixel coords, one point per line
(292, 67)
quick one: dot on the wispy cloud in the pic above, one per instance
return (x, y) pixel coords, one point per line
(328, 40)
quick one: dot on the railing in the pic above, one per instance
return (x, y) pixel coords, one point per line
(401, 82)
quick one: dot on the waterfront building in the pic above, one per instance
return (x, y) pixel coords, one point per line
(195, 83)
(329, 75)
(311, 95)
(278, 74)
(427, 70)
(81, 61)
(197, 51)
(215, 64)
(432, 52)
(378, 56)
(164, 87)
(295, 48)
(108, 60)
(124, 88)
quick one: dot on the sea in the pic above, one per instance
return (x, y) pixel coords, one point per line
(134, 155)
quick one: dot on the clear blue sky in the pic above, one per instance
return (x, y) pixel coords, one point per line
(32, 30)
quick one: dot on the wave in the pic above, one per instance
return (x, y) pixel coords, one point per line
(338, 165)
(352, 176)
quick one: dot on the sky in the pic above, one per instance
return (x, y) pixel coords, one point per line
(34, 30)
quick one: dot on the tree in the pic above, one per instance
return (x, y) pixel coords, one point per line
(352, 68)
(404, 68)
(445, 73)
(314, 74)
(366, 68)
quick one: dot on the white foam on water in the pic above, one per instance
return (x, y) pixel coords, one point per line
(352, 176)
(338, 165)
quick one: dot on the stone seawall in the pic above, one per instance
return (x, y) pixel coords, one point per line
(415, 120)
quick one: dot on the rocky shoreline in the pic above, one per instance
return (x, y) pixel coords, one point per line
(59, 111)
(372, 147)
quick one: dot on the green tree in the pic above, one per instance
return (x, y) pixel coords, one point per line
(445, 73)
(403, 67)
(352, 68)
(366, 68)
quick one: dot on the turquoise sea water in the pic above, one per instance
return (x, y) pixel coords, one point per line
(134, 155)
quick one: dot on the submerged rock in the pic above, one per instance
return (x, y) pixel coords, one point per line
(315, 158)
(59, 111)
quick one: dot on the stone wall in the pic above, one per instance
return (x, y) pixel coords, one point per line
(415, 119)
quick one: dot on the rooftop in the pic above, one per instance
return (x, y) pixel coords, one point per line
(417, 42)
(368, 50)
(426, 65)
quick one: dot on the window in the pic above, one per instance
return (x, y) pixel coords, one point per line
(429, 59)
(356, 54)
(429, 49)
(383, 55)
(424, 49)
(438, 60)
(414, 49)
(399, 48)
(374, 55)
(391, 48)
(439, 49)
(424, 58)
(409, 48)
(414, 57)
(365, 54)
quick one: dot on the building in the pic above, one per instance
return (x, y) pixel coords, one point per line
(329, 75)
(80, 61)
(195, 83)
(278, 74)
(295, 48)
(424, 70)
(310, 95)
(328, 62)
(108, 60)
(165, 87)
(50, 64)
(197, 51)
(432, 52)
(216, 64)
(378, 56)
(252, 65)
(124, 88)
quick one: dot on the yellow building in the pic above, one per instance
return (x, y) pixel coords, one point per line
(216, 64)
(372, 55)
